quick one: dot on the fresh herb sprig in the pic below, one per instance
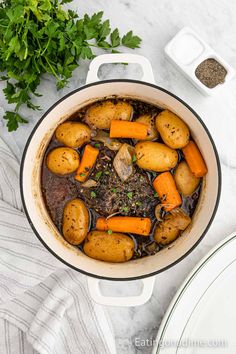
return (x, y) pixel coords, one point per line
(39, 36)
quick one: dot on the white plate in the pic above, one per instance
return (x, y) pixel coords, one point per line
(202, 316)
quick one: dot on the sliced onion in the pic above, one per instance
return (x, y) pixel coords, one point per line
(180, 219)
(123, 162)
(104, 138)
(110, 216)
(176, 217)
(158, 211)
(90, 183)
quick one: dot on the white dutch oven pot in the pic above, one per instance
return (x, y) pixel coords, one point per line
(39, 219)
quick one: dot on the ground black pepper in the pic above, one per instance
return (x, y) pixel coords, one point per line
(211, 73)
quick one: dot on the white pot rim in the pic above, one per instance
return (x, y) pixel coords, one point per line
(218, 171)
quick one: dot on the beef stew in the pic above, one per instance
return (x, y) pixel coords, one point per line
(138, 182)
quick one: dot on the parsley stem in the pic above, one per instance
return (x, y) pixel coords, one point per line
(49, 40)
(53, 71)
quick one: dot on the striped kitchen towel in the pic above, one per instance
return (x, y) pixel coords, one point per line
(44, 306)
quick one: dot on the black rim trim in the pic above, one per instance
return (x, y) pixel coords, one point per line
(218, 167)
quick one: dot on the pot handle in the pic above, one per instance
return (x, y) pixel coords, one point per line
(95, 64)
(126, 301)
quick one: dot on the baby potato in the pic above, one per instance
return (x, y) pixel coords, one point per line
(73, 134)
(115, 247)
(101, 114)
(174, 132)
(155, 156)
(185, 180)
(169, 229)
(149, 120)
(75, 221)
(63, 160)
(165, 233)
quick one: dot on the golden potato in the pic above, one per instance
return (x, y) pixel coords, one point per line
(174, 132)
(185, 180)
(73, 134)
(169, 229)
(155, 156)
(115, 247)
(63, 160)
(101, 114)
(149, 120)
(165, 233)
(75, 221)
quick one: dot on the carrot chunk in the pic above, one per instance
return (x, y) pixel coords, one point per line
(164, 185)
(194, 159)
(134, 225)
(123, 129)
(88, 160)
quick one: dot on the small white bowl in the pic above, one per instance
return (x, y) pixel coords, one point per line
(187, 50)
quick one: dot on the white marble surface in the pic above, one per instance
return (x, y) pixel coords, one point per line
(157, 22)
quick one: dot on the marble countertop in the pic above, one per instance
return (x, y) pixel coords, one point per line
(157, 22)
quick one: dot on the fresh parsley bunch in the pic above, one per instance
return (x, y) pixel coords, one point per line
(37, 37)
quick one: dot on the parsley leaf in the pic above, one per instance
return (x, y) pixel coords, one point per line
(98, 175)
(13, 120)
(131, 41)
(130, 195)
(105, 29)
(65, 1)
(125, 209)
(40, 37)
(115, 38)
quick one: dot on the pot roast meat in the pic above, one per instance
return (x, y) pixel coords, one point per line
(133, 197)
(57, 191)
